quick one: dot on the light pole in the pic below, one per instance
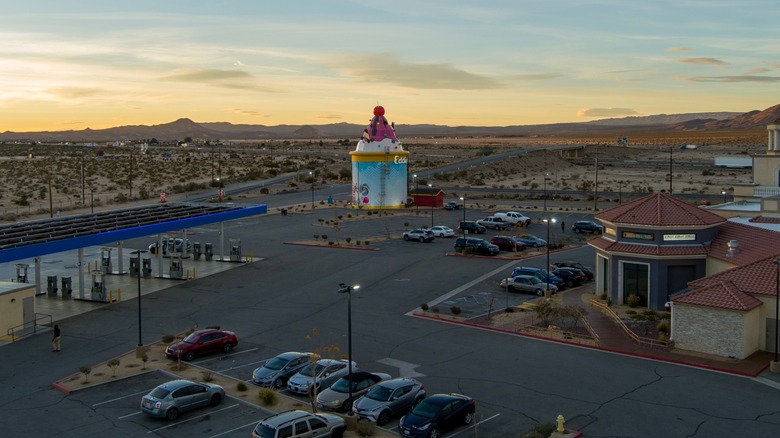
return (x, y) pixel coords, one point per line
(724, 195)
(463, 200)
(311, 176)
(138, 267)
(620, 192)
(547, 268)
(92, 199)
(545, 191)
(344, 289)
(430, 186)
(777, 302)
(416, 187)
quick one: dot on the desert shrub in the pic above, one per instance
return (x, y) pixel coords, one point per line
(630, 312)
(366, 428)
(604, 296)
(649, 312)
(509, 310)
(348, 239)
(632, 300)
(662, 327)
(330, 243)
(144, 359)
(207, 376)
(241, 386)
(85, 370)
(455, 310)
(543, 430)
(367, 242)
(113, 363)
(267, 396)
(324, 237)
(167, 339)
(424, 306)
(316, 237)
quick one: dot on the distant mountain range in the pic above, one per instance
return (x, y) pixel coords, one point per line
(183, 128)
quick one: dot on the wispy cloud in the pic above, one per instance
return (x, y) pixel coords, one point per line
(74, 92)
(702, 61)
(536, 77)
(329, 116)
(208, 75)
(743, 78)
(250, 113)
(386, 68)
(678, 49)
(606, 112)
(756, 70)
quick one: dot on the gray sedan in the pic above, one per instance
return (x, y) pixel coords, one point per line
(169, 399)
(336, 398)
(528, 284)
(325, 372)
(276, 371)
(389, 398)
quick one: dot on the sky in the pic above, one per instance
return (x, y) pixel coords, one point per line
(100, 64)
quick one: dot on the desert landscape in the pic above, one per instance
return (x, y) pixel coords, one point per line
(55, 179)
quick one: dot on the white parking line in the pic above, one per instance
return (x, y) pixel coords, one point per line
(473, 426)
(193, 418)
(135, 394)
(233, 430)
(129, 415)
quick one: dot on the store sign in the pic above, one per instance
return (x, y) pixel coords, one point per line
(675, 237)
(639, 236)
(400, 160)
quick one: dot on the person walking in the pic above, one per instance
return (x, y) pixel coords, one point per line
(55, 341)
(563, 227)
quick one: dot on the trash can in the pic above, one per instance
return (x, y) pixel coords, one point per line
(209, 252)
(66, 287)
(51, 285)
(196, 251)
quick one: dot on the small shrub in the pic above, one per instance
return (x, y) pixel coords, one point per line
(267, 396)
(324, 237)
(662, 327)
(510, 310)
(366, 428)
(649, 312)
(113, 363)
(604, 296)
(543, 430)
(632, 300)
(455, 310)
(630, 312)
(367, 242)
(167, 339)
(348, 239)
(207, 376)
(330, 243)
(241, 386)
(144, 359)
(85, 370)
(316, 237)
(424, 306)
(435, 309)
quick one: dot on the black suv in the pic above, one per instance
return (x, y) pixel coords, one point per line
(589, 226)
(476, 246)
(452, 205)
(572, 264)
(472, 227)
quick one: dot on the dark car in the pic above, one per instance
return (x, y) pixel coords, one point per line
(419, 235)
(572, 264)
(452, 205)
(201, 343)
(472, 227)
(278, 370)
(506, 243)
(572, 277)
(587, 227)
(539, 273)
(475, 246)
(436, 414)
(531, 240)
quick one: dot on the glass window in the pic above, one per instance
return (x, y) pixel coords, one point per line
(285, 432)
(316, 423)
(635, 281)
(301, 427)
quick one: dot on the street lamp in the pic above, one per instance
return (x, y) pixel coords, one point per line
(463, 200)
(545, 191)
(344, 289)
(433, 201)
(547, 268)
(92, 199)
(620, 192)
(416, 187)
(724, 195)
(138, 267)
(311, 176)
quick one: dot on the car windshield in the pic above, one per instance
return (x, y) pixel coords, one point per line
(159, 393)
(307, 371)
(265, 431)
(425, 410)
(380, 393)
(342, 385)
(534, 280)
(275, 364)
(192, 338)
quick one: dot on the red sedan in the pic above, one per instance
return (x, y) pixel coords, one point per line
(201, 343)
(506, 243)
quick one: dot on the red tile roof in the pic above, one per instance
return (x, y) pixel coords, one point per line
(661, 210)
(721, 295)
(765, 220)
(758, 278)
(755, 243)
(649, 250)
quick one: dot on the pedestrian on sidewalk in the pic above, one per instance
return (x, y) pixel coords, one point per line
(563, 227)
(55, 341)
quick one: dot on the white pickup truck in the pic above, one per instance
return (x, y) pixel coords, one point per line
(514, 218)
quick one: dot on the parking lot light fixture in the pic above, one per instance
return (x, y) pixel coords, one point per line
(138, 267)
(547, 268)
(311, 176)
(344, 289)
(433, 201)
(463, 200)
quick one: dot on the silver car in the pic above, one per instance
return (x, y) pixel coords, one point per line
(325, 372)
(336, 398)
(528, 284)
(389, 398)
(276, 371)
(300, 424)
(169, 399)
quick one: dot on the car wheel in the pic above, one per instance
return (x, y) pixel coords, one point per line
(171, 414)
(227, 348)
(406, 238)
(190, 355)
(434, 433)
(468, 418)
(569, 283)
(535, 245)
(346, 406)
(383, 418)
(278, 383)
(338, 432)
(215, 400)
(539, 292)
(422, 239)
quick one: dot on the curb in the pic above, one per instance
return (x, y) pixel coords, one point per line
(331, 246)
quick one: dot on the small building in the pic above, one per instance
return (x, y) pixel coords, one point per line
(428, 197)
(18, 306)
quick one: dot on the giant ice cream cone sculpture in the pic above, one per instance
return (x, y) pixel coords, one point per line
(379, 166)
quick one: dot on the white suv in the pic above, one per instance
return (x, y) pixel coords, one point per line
(298, 424)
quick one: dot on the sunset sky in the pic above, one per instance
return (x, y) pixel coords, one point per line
(99, 64)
